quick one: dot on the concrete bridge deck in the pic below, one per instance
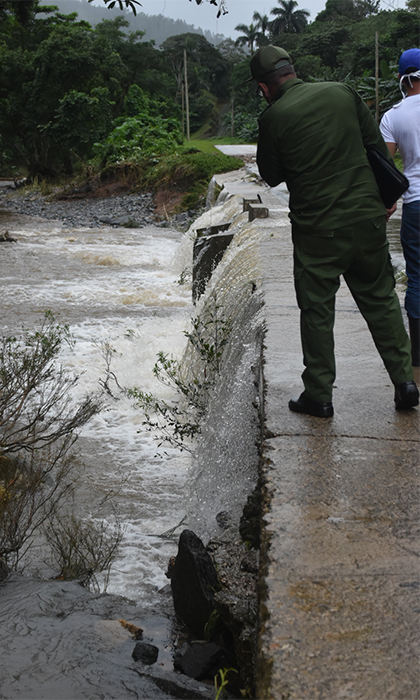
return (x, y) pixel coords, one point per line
(340, 579)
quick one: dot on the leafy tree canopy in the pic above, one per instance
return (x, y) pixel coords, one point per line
(248, 37)
(288, 19)
(205, 62)
(355, 10)
(66, 86)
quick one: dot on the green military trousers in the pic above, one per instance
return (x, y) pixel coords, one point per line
(360, 253)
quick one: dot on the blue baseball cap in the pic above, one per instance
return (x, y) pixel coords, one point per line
(408, 60)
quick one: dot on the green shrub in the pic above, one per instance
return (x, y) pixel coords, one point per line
(39, 423)
(184, 170)
(137, 138)
(82, 550)
(80, 120)
(245, 124)
(177, 423)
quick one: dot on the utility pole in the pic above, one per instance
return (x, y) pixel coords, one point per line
(232, 118)
(183, 109)
(377, 76)
(187, 105)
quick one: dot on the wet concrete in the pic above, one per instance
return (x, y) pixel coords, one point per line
(340, 574)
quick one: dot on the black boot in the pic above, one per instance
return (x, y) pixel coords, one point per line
(406, 396)
(414, 326)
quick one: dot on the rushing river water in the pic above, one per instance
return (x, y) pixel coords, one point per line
(116, 287)
(121, 289)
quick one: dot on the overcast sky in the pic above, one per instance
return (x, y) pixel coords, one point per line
(204, 15)
(240, 12)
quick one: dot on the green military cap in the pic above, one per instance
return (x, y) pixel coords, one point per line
(266, 60)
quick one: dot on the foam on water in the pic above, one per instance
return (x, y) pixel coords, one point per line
(116, 287)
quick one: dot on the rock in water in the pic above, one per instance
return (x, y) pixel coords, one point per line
(194, 582)
(146, 653)
(201, 661)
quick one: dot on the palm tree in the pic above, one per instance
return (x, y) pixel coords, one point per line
(262, 24)
(249, 36)
(288, 20)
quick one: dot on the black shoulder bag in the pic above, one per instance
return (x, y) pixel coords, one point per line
(391, 182)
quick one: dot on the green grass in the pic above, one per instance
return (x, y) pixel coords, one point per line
(208, 145)
(398, 162)
(189, 172)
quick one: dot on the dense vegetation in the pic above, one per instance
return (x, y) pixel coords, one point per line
(74, 98)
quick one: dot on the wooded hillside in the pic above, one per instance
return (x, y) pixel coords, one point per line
(75, 98)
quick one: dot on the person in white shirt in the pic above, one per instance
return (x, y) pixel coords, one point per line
(400, 128)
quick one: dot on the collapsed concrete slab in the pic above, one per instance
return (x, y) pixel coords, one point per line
(209, 248)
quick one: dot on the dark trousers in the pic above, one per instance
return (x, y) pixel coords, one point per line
(360, 253)
(410, 241)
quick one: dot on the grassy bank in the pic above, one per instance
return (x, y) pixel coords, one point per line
(188, 172)
(209, 145)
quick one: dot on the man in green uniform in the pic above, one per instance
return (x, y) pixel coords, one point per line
(313, 137)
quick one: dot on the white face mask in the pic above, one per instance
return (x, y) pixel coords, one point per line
(408, 76)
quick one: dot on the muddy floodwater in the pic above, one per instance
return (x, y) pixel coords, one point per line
(117, 288)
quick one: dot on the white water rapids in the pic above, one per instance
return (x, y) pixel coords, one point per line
(115, 286)
(121, 287)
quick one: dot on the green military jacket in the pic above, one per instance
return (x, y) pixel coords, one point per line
(313, 137)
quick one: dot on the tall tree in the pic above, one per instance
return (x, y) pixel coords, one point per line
(355, 10)
(263, 25)
(248, 37)
(73, 71)
(288, 20)
(206, 66)
(262, 22)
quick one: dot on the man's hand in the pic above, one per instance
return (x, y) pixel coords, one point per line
(389, 212)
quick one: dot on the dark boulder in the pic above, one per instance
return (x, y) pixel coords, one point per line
(6, 238)
(175, 685)
(202, 661)
(146, 653)
(194, 582)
